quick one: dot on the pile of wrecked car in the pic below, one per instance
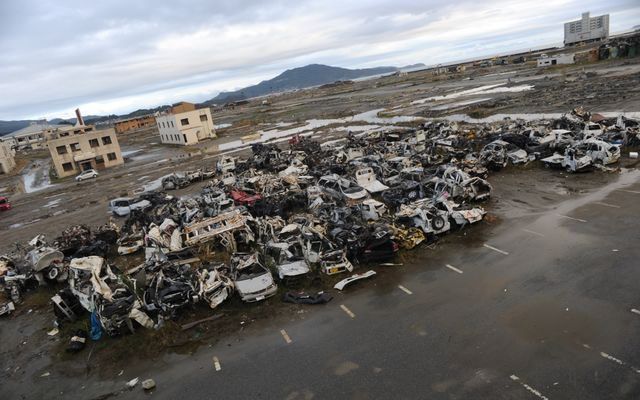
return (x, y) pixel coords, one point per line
(281, 217)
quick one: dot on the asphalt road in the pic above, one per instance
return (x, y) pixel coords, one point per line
(537, 307)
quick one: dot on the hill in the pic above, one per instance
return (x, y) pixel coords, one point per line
(299, 78)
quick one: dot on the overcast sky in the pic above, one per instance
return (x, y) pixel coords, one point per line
(117, 56)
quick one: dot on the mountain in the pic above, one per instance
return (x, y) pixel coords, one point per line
(299, 78)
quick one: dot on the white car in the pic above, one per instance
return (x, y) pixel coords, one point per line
(123, 206)
(88, 174)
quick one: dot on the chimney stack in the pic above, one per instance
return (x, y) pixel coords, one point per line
(79, 120)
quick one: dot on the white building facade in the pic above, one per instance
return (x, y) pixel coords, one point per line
(586, 29)
(557, 59)
(186, 128)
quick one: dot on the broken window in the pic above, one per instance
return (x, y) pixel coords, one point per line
(61, 149)
(106, 140)
(203, 117)
(75, 146)
(67, 166)
(99, 159)
(184, 121)
(94, 143)
(111, 156)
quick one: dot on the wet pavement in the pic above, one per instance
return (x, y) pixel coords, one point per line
(539, 306)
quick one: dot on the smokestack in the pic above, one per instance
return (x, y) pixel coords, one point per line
(79, 120)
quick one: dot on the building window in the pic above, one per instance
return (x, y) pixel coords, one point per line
(61, 149)
(185, 137)
(184, 121)
(99, 160)
(172, 125)
(94, 143)
(106, 140)
(67, 167)
(203, 117)
(111, 156)
(75, 146)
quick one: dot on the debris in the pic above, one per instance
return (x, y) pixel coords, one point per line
(305, 298)
(148, 384)
(77, 342)
(132, 383)
(198, 322)
(356, 277)
(53, 332)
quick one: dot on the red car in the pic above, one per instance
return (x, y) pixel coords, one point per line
(5, 204)
(243, 198)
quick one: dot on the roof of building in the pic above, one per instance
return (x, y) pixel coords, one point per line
(31, 129)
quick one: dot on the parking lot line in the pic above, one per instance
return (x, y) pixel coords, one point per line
(496, 249)
(619, 362)
(568, 217)
(533, 232)
(529, 388)
(404, 289)
(345, 309)
(614, 359)
(633, 310)
(451, 267)
(285, 335)
(606, 204)
(216, 364)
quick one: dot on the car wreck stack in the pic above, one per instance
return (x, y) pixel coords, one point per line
(284, 216)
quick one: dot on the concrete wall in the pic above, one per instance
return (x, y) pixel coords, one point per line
(7, 160)
(95, 149)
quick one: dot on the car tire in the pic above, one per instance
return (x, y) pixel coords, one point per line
(438, 222)
(52, 273)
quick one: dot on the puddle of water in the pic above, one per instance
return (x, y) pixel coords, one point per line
(37, 178)
(487, 89)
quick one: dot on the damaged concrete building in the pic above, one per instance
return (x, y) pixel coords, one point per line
(185, 125)
(134, 124)
(7, 160)
(83, 148)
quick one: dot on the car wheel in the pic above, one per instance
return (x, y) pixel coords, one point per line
(53, 273)
(438, 223)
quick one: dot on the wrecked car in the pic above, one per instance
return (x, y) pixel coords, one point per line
(252, 280)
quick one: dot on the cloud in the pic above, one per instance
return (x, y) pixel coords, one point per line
(117, 56)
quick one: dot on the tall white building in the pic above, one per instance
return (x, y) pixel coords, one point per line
(586, 29)
(185, 125)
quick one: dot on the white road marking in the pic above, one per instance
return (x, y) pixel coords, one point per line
(495, 249)
(345, 309)
(404, 289)
(633, 310)
(529, 388)
(285, 335)
(629, 191)
(606, 204)
(568, 217)
(533, 232)
(216, 364)
(451, 267)
(615, 360)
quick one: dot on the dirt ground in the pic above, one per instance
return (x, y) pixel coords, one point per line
(27, 351)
